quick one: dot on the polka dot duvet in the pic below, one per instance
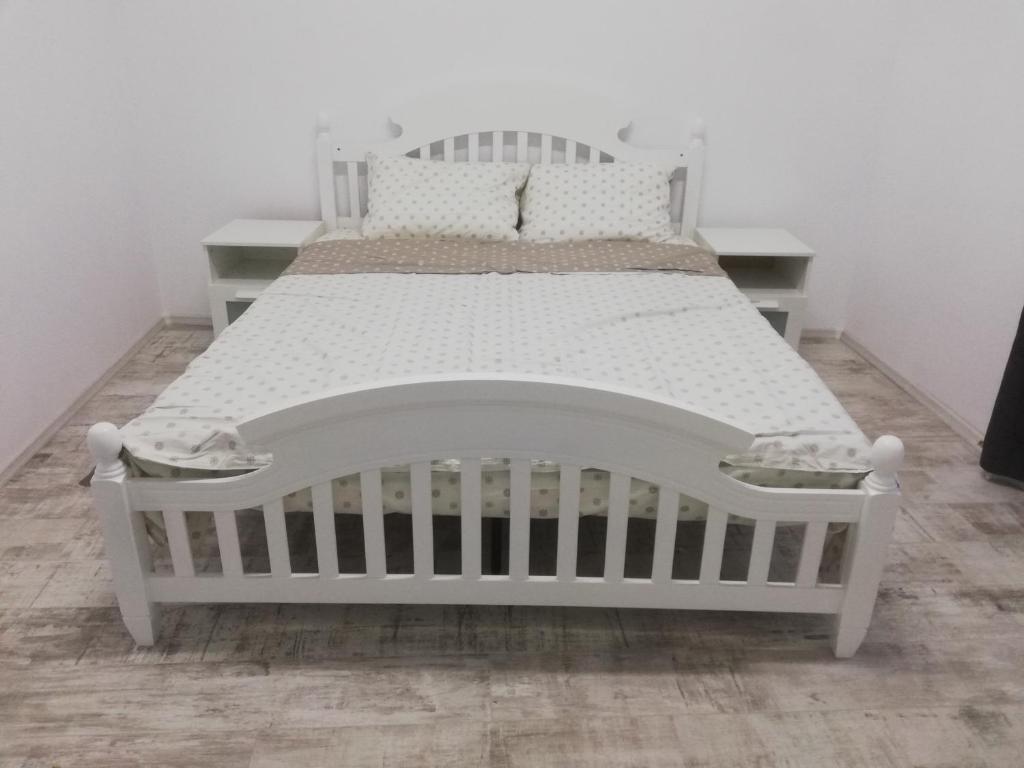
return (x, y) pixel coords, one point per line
(696, 340)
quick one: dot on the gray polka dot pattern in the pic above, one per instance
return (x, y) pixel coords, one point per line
(603, 201)
(436, 256)
(695, 340)
(349, 231)
(426, 198)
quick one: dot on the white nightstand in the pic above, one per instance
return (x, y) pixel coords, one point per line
(770, 266)
(246, 256)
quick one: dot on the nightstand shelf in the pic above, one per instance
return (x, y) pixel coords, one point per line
(246, 256)
(770, 267)
(230, 262)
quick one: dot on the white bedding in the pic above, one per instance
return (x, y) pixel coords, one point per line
(696, 340)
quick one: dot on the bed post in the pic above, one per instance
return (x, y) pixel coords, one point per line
(865, 553)
(694, 178)
(124, 534)
(325, 172)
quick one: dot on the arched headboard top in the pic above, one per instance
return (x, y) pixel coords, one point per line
(521, 122)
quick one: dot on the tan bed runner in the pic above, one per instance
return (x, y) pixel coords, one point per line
(433, 256)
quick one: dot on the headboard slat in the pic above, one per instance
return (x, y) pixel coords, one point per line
(522, 147)
(545, 148)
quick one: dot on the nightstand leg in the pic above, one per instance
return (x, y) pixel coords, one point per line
(219, 314)
(794, 327)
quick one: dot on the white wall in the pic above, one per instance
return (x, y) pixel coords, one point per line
(941, 282)
(77, 287)
(887, 135)
(789, 90)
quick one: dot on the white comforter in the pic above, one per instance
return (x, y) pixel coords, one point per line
(696, 340)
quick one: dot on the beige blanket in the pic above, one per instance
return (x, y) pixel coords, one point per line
(433, 256)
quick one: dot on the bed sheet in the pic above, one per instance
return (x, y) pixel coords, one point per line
(695, 340)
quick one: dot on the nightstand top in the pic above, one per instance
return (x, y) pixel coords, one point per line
(752, 241)
(267, 233)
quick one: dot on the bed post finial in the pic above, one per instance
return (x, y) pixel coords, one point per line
(104, 441)
(323, 123)
(886, 458)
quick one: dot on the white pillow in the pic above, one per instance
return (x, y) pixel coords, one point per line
(602, 201)
(426, 198)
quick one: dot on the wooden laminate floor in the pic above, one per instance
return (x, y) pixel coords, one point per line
(939, 681)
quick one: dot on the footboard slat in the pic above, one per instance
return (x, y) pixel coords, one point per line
(227, 542)
(323, 526)
(618, 519)
(470, 511)
(449, 149)
(177, 541)
(519, 520)
(277, 539)
(761, 552)
(422, 520)
(714, 541)
(497, 146)
(570, 152)
(665, 536)
(373, 523)
(545, 148)
(568, 521)
(810, 553)
(473, 147)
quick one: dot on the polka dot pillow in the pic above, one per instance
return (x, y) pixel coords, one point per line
(427, 198)
(603, 201)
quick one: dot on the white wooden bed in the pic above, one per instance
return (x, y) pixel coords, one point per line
(522, 418)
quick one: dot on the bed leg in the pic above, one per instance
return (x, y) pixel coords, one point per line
(144, 629)
(124, 535)
(867, 545)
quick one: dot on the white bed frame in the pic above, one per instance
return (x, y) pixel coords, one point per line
(580, 425)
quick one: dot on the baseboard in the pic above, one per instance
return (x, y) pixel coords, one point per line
(940, 409)
(65, 416)
(188, 321)
(820, 333)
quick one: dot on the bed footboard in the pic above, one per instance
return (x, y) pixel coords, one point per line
(358, 432)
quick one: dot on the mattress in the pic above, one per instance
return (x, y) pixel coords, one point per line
(695, 340)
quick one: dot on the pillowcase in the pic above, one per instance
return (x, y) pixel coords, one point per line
(600, 201)
(427, 198)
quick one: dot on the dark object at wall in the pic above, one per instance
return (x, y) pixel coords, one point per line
(1002, 454)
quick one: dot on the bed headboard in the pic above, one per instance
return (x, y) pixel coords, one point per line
(521, 122)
